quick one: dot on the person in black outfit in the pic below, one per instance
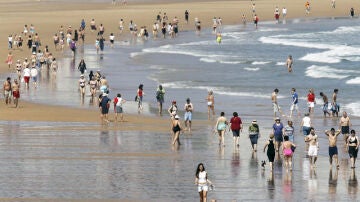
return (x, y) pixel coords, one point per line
(270, 150)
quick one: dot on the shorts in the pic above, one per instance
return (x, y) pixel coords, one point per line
(254, 138)
(209, 103)
(7, 93)
(16, 94)
(345, 129)
(119, 109)
(353, 151)
(26, 79)
(278, 138)
(34, 79)
(112, 41)
(276, 107)
(291, 138)
(306, 130)
(203, 188)
(294, 106)
(311, 104)
(187, 116)
(104, 110)
(236, 133)
(313, 150)
(333, 151)
(93, 27)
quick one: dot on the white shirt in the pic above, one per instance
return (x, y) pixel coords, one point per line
(306, 121)
(34, 72)
(202, 177)
(284, 11)
(26, 72)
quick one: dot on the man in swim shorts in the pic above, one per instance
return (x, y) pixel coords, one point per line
(312, 138)
(188, 114)
(333, 151)
(7, 90)
(344, 125)
(275, 104)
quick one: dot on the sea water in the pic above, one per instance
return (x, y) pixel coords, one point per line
(242, 71)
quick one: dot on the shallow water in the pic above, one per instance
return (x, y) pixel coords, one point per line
(53, 160)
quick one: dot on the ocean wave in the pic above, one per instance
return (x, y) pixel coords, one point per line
(353, 81)
(216, 90)
(294, 42)
(135, 54)
(253, 69)
(316, 71)
(260, 62)
(334, 55)
(208, 60)
(280, 63)
(352, 109)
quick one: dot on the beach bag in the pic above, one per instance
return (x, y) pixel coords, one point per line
(136, 98)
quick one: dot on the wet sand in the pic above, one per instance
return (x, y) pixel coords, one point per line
(47, 161)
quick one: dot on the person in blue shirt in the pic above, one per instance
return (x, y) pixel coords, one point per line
(294, 104)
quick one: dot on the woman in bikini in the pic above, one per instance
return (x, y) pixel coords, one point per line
(353, 147)
(176, 128)
(288, 152)
(210, 103)
(221, 124)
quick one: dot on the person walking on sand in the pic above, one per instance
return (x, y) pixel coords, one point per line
(202, 181)
(15, 88)
(289, 63)
(305, 124)
(188, 114)
(104, 106)
(173, 109)
(236, 128)
(307, 8)
(256, 21)
(270, 150)
(254, 134)
(294, 104)
(277, 14)
(139, 97)
(289, 131)
(82, 66)
(82, 84)
(278, 133)
(220, 127)
(210, 104)
(160, 98)
(176, 128)
(333, 150)
(7, 90)
(335, 106)
(311, 100)
(312, 139)
(118, 107)
(344, 125)
(352, 12)
(326, 104)
(353, 147)
(275, 104)
(187, 16)
(288, 152)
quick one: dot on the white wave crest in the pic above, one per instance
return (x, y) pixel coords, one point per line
(316, 71)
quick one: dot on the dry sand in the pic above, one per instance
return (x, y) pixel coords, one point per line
(48, 16)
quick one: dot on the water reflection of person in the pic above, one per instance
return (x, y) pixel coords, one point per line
(352, 184)
(202, 181)
(333, 183)
(235, 162)
(271, 185)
